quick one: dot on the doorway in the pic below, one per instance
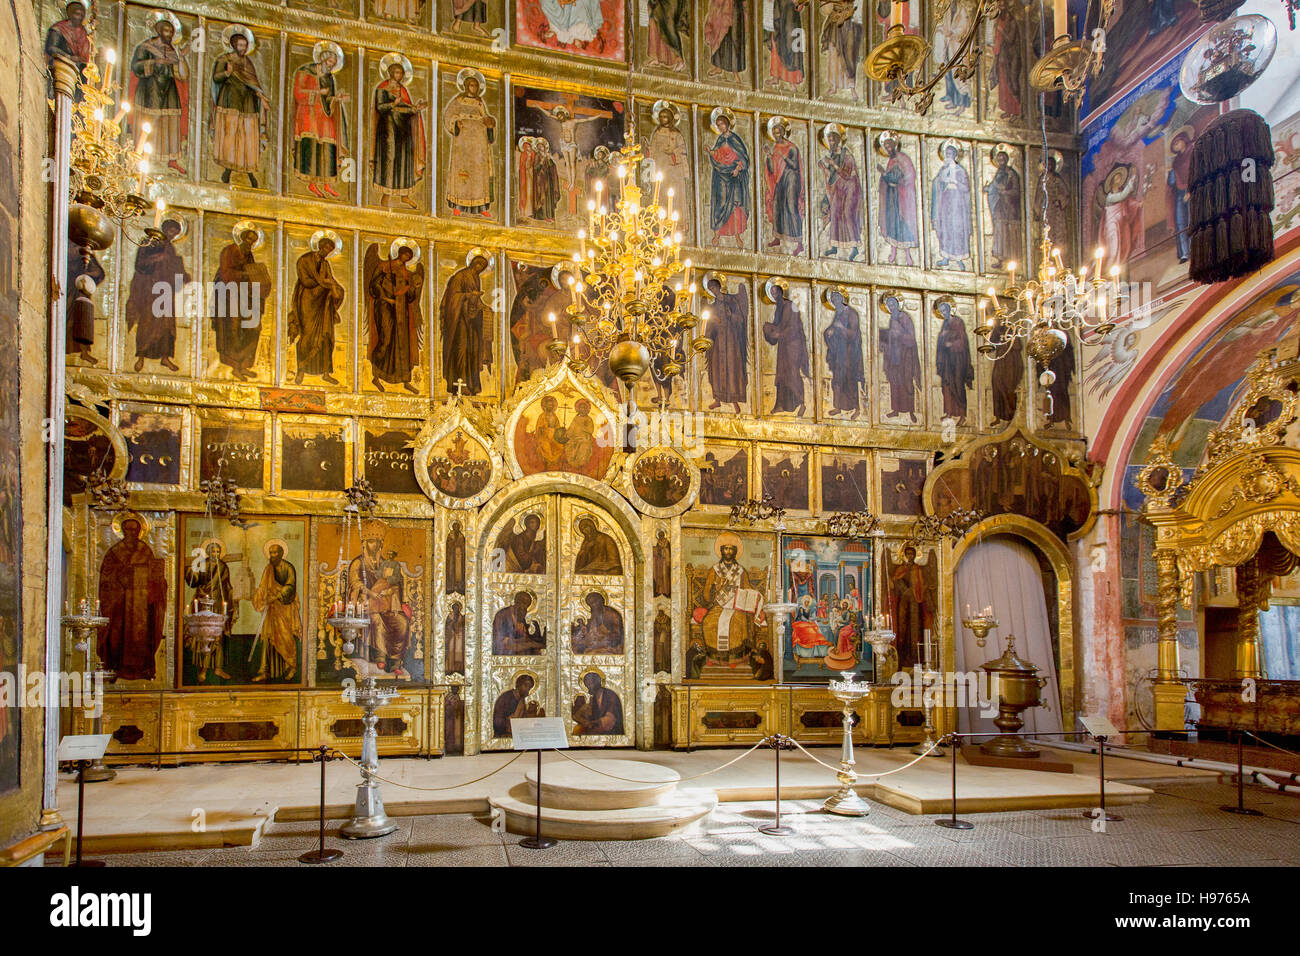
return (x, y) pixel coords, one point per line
(557, 635)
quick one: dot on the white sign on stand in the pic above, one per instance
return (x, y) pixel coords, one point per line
(83, 746)
(1099, 727)
(538, 733)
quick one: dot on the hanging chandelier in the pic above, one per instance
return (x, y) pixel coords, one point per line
(110, 173)
(1070, 63)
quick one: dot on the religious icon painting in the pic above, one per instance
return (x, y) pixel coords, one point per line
(473, 145)
(831, 583)
(92, 304)
(786, 53)
(900, 358)
(725, 383)
(393, 333)
(515, 692)
(163, 300)
(785, 474)
(344, 9)
(902, 481)
(885, 13)
(162, 84)
(468, 323)
(597, 707)
(256, 578)
(664, 482)
(786, 349)
(234, 445)
(664, 32)
(321, 122)
(239, 107)
(483, 20)
(839, 207)
(381, 567)
(591, 28)
(563, 430)
(533, 297)
(402, 13)
(399, 124)
(845, 353)
(388, 456)
(563, 144)
(953, 383)
(238, 338)
(1058, 399)
(314, 453)
(724, 475)
(896, 204)
(844, 482)
(784, 186)
(954, 97)
(728, 578)
(1054, 182)
(133, 557)
(1003, 185)
(949, 199)
(726, 43)
(157, 441)
(458, 465)
(319, 314)
(92, 446)
(1005, 382)
(668, 152)
(910, 586)
(1006, 70)
(727, 179)
(841, 45)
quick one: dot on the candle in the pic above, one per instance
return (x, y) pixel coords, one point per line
(97, 609)
(158, 209)
(896, 14)
(1060, 19)
(551, 318)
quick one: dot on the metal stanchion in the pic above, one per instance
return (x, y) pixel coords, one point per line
(1100, 812)
(778, 742)
(1241, 809)
(537, 841)
(952, 823)
(320, 854)
(81, 813)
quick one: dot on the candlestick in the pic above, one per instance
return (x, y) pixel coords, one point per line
(1060, 19)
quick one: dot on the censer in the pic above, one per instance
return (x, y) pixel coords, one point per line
(1018, 686)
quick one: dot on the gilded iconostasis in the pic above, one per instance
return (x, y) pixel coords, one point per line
(369, 214)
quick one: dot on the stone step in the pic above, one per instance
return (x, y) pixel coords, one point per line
(677, 810)
(607, 785)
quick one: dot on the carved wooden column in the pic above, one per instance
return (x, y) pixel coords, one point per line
(1252, 591)
(1168, 691)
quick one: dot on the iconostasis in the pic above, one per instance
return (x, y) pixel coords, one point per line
(369, 211)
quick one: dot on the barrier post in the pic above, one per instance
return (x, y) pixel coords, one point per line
(952, 823)
(320, 854)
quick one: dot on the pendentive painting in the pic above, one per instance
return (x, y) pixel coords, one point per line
(381, 568)
(563, 431)
(728, 580)
(829, 580)
(586, 27)
(256, 578)
(564, 143)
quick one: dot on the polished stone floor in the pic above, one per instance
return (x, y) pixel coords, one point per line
(1181, 825)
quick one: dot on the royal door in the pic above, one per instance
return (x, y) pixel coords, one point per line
(557, 635)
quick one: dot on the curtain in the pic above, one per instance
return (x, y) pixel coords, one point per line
(1003, 572)
(1279, 638)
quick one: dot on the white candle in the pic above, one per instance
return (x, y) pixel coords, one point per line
(1060, 19)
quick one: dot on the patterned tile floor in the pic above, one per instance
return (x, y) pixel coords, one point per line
(1181, 826)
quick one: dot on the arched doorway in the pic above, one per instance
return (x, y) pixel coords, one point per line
(558, 622)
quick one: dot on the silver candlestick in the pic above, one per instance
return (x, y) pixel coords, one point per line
(881, 640)
(845, 801)
(928, 747)
(368, 816)
(85, 628)
(780, 611)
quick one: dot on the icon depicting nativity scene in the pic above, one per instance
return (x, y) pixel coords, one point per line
(694, 375)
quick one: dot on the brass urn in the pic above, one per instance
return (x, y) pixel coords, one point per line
(1018, 686)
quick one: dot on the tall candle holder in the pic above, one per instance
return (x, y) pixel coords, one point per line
(369, 818)
(980, 624)
(929, 747)
(881, 640)
(845, 801)
(85, 627)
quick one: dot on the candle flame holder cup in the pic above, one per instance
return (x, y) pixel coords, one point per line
(845, 801)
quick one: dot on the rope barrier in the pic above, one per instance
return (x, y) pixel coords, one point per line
(1269, 744)
(883, 773)
(408, 786)
(678, 781)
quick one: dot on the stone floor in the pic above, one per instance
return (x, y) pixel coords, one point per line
(1181, 825)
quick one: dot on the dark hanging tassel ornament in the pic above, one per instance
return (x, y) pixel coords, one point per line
(1212, 11)
(1230, 197)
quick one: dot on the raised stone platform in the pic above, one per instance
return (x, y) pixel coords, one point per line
(603, 799)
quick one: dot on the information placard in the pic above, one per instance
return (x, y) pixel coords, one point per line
(83, 746)
(1099, 726)
(538, 733)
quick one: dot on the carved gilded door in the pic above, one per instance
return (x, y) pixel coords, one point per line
(557, 634)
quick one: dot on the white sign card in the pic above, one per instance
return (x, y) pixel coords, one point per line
(1099, 726)
(538, 733)
(83, 746)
